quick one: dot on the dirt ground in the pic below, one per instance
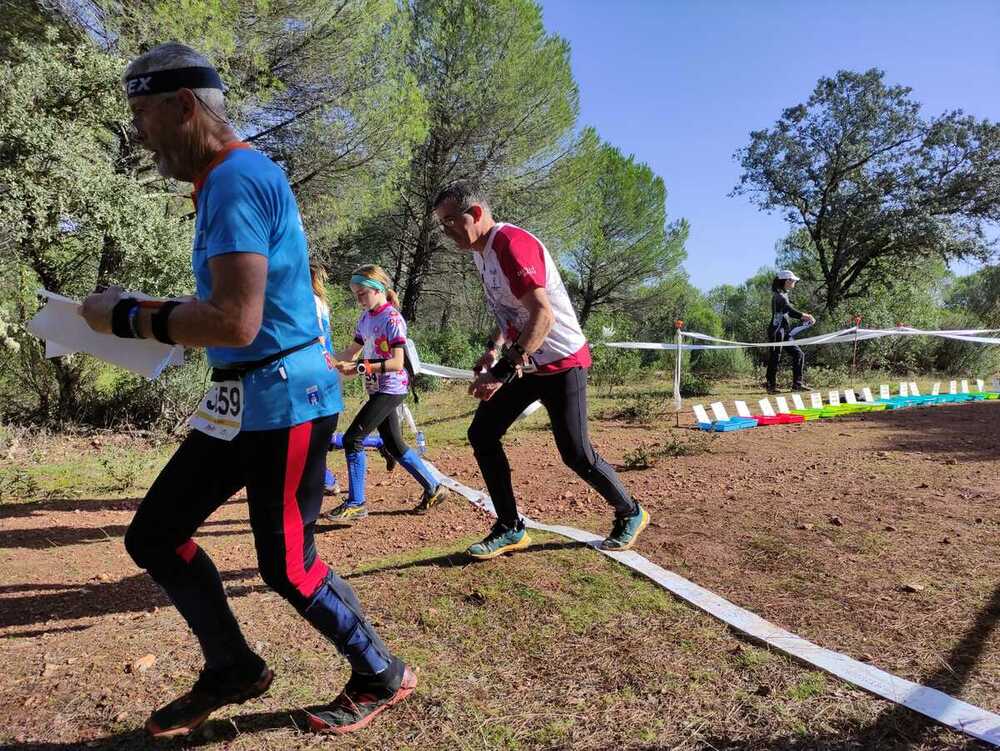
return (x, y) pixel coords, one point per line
(875, 535)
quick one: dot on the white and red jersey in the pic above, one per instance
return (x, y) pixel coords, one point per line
(513, 263)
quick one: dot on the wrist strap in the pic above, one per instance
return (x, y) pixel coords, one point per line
(504, 370)
(159, 320)
(514, 353)
(120, 315)
(133, 321)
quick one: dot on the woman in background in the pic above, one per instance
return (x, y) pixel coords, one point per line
(778, 331)
(318, 274)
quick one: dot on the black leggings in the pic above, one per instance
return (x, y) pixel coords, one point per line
(564, 396)
(774, 357)
(282, 471)
(378, 412)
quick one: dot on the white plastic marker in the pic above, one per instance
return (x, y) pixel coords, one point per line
(719, 410)
(965, 386)
(952, 387)
(936, 389)
(967, 718)
(883, 392)
(904, 389)
(765, 407)
(406, 416)
(980, 385)
(866, 394)
(742, 409)
(816, 399)
(914, 391)
(834, 397)
(700, 415)
(849, 396)
(782, 405)
(530, 409)
(797, 402)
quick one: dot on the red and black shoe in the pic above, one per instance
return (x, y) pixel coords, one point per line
(213, 689)
(360, 702)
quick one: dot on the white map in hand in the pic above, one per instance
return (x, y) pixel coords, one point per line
(65, 332)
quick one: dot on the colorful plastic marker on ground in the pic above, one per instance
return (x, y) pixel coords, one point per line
(745, 420)
(734, 423)
(783, 419)
(808, 413)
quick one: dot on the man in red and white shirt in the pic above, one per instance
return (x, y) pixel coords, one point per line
(538, 353)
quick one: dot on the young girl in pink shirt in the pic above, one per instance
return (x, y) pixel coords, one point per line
(377, 354)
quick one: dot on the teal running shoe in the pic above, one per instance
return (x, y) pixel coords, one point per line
(500, 540)
(626, 530)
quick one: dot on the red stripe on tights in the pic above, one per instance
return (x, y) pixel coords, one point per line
(306, 582)
(187, 550)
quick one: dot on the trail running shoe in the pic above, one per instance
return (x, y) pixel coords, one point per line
(332, 489)
(345, 515)
(430, 500)
(359, 704)
(212, 690)
(626, 530)
(500, 540)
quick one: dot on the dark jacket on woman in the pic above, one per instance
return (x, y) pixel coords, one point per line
(782, 311)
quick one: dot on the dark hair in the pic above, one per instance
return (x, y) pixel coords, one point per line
(464, 192)
(778, 285)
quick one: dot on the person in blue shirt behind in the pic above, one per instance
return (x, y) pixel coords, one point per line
(318, 278)
(267, 420)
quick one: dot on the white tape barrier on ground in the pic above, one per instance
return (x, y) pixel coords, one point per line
(844, 336)
(957, 714)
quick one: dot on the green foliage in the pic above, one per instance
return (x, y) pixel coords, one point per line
(448, 346)
(612, 367)
(122, 471)
(620, 239)
(694, 385)
(641, 409)
(874, 188)
(641, 457)
(979, 295)
(646, 456)
(17, 485)
(501, 103)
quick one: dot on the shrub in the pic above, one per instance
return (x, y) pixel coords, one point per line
(638, 408)
(694, 385)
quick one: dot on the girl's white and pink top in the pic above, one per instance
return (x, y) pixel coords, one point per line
(378, 331)
(513, 263)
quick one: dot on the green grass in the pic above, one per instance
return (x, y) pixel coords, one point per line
(812, 685)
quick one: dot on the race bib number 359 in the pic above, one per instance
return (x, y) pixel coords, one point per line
(220, 413)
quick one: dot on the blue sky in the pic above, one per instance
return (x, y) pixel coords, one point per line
(682, 84)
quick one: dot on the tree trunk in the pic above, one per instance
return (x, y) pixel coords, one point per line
(588, 303)
(68, 380)
(419, 264)
(110, 262)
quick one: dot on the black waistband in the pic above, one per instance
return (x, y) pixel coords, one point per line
(236, 369)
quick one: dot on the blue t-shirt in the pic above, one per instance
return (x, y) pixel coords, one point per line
(245, 205)
(323, 319)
